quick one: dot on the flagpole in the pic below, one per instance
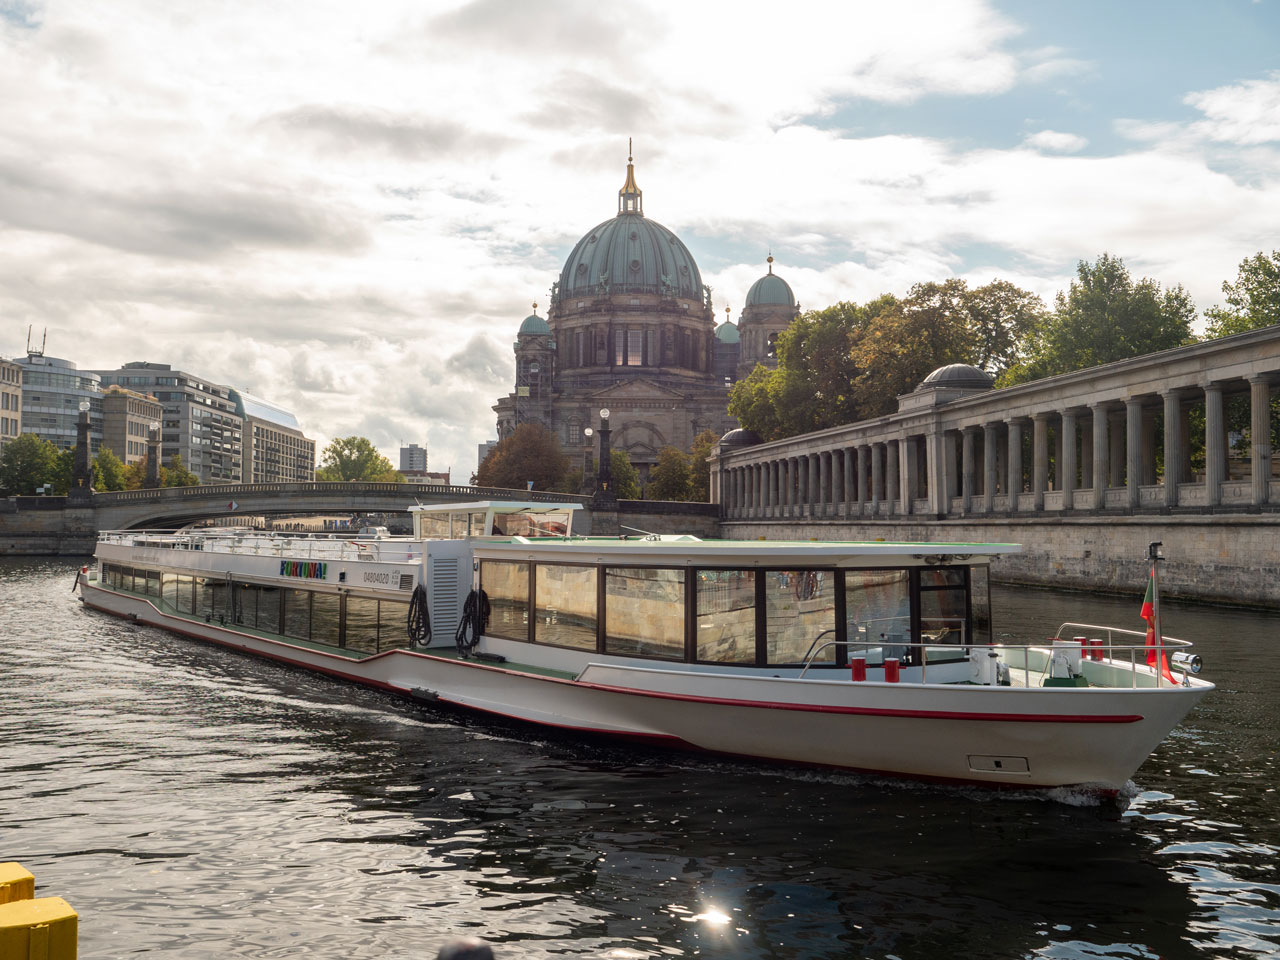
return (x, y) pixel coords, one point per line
(1153, 554)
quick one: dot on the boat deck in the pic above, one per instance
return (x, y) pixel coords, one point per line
(451, 653)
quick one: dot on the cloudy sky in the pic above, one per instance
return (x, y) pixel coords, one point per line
(348, 210)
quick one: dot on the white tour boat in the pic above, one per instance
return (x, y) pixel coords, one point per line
(874, 657)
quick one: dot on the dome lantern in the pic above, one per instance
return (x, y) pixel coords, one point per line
(630, 197)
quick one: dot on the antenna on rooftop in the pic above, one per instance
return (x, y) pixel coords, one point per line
(43, 341)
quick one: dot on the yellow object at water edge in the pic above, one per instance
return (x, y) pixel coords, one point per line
(16, 883)
(43, 929)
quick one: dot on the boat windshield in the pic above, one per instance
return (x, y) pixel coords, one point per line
(492, 519)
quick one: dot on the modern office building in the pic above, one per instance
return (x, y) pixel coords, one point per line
(52, 391)
(10, 401)
(275, 449)
(126, 418)
(200, 421)
(413, 459)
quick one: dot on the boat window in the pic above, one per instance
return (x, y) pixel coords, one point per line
(943, 606)
(169, 589)
(202, 608)
(980, 603)
(246, 606)
(800, 615)
(644, 612)
(940, 577)
(877, 607)
(324, 618)
(434, 526)
(153, 583)
(475, 524)
(566, 605)
(393, 625)
(726, 616)
(269, 600)
(506, 584)
(362, 624)
(297, 614)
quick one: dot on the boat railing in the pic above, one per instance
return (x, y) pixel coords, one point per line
(271, 545)
(1112, 649)
(893, 642)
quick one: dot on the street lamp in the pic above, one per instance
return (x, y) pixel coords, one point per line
(588, 433)
(605, 469)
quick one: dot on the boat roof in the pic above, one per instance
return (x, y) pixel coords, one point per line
(690, 551)
(499, 507)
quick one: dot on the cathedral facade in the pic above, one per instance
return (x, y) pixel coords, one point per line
(630, 329)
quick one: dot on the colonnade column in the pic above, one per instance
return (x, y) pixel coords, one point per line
(877, 476)
(1067, 462)
(864, 454)
(1100, 448)
(1173, 445)
(1215, 447)
(893, 458)
(1133, 450)
(990, 474)
(815, 483)
(837, 481)
(1040, 457)
(966, 469)
(1015, 463)
(1260, 437)
(825, 466)
(850, 469)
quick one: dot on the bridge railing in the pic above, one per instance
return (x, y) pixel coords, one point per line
(416, 491)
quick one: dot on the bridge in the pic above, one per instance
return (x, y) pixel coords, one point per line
(171, 507)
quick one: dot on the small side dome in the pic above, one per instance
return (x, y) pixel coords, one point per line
(740, 438)
(770, 291)
(727, 332)
(960, 376)
(534, 324)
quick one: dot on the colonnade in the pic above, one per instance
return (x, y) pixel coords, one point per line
(1101, 453)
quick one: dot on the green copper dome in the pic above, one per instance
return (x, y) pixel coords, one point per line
(727, 332)
(770, 290)
(630, 254)
(534, 324)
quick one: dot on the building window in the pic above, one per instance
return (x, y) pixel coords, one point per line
(619, 348)
(635, 347)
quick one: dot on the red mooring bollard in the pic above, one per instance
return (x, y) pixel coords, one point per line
(891, 670)
(859, 665)
(1095, 648)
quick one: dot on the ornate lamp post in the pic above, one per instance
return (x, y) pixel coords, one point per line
(587, 485)
(81, 469)
(604, 470)
(153, 456)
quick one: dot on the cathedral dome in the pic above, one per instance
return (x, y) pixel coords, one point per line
(771, 290)
(630, 254)
(727, 332)
(534, 324)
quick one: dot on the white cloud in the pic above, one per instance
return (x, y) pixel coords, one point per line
(1056, 142)
(1244, 113)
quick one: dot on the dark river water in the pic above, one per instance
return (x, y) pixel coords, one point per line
(193, 802)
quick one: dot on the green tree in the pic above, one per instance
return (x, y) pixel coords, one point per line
(110, 470)
(670, 477)
(1104, 317)
(27, 462)
(352, 459)
(700, 466)
(135, 475)
(1001, 319)
(1253, 301)
(626, 480)
(176, 474)
(532, 452)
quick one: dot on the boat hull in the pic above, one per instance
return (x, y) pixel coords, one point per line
(1000, 736)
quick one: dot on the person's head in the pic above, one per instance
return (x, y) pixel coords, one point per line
(465, 948)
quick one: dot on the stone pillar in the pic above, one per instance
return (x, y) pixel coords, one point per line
(1133, 450)
(153, 457)
(990, 471)
(877, 477)
(1055, 466)
(1174, 444)
(1260, 437)
(1086, 453)
(1067, 461)
(1015, 462)
(825, 466)
(82, 462)
(1040, 457)
(850, 469)
(1117, 432)
(966, 469)
(1215, 445)
(837, 481)
(815, 483)
(896, 451)
(773, 487)
(1101, 468)
(1148, 447)
(864, 464)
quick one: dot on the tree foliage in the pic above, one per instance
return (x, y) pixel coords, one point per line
(530, 453)
(353, 459)
(700, 466)
(1253, 301)
(27, 462)
(670, 478)
(176, 474)
(626, 480)
(1104, 317)
(110, 470)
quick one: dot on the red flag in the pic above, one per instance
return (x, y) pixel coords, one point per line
(1148, 613)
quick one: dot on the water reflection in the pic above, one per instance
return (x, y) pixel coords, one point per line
(203, 803)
